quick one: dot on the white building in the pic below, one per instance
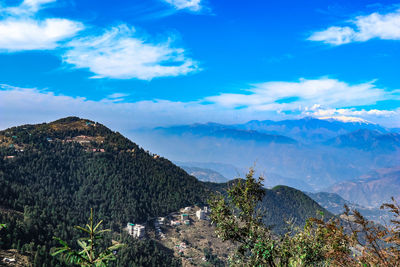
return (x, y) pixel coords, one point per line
(201, 214)
(139, 231)
(136, 230)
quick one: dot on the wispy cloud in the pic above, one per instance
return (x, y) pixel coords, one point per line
(27, 7)
(120, 54)
(192, 5)
(364, 28)
(116, 95)
(20, 30)
(304, 93)
(31, 105)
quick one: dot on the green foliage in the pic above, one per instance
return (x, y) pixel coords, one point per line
(211, 259)
(145, 253)
(239, 219)
(89, 254)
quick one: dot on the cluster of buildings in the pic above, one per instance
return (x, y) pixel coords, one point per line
(139, 231)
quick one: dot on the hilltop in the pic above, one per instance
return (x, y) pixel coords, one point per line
(293, 205)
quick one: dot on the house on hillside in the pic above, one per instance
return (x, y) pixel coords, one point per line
(139, 231)
(201, 214)
(136, 230)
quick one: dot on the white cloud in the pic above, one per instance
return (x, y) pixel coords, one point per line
(320, 111)
(119, 54)
(334, 35)
(304, 93)
(19, 31)
(375, 25)
(192, 5)
(29, 34)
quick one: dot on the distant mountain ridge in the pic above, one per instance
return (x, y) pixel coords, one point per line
(205, 175)
(371, 190)
(335, 204)
(307, 130)
(226, 131)
(367, 139)
(206, 172)
(310, 129)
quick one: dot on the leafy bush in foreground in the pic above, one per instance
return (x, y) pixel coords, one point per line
(354, 241)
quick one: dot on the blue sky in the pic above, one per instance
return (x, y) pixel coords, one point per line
(133, 64)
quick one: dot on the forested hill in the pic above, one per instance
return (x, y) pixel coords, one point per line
(54, 173)
(282, 204)
(293, 205)
(80, 164)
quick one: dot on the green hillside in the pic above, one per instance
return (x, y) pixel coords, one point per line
(54, 173)
(283, 203)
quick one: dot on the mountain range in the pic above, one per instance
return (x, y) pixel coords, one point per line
(309, 129)
(312, 152)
